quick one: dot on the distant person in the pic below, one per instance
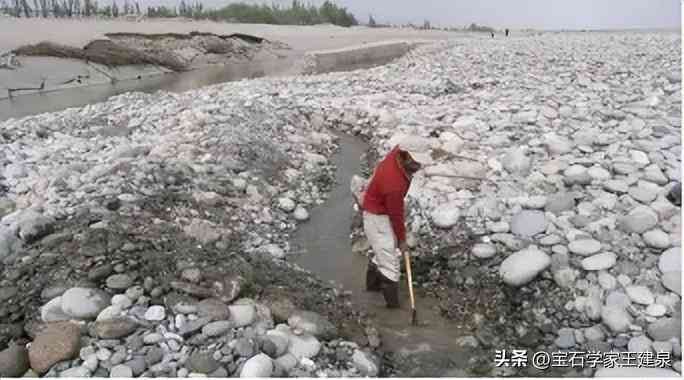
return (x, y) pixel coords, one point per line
(492, 34)
(506, 32)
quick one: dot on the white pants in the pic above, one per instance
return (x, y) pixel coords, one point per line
(381, 237)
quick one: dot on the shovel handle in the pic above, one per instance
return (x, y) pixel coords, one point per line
(409, 277)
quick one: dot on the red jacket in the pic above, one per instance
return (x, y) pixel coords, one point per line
(386, 191)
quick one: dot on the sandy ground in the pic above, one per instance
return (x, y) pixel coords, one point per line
(17, 32)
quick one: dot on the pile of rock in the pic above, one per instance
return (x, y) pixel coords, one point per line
(578, 147)
(87, 332)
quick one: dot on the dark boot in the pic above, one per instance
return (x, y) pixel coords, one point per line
(373, 278)
(390, 290)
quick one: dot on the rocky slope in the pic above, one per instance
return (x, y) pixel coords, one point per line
(166, 217)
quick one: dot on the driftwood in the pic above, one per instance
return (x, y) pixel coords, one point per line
(12, 90)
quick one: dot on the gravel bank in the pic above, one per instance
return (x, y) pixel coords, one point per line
(178, 208)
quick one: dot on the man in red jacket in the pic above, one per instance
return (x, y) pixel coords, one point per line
(383, 222)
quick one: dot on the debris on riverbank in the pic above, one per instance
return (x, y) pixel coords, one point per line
(572, 245)
(173, 51)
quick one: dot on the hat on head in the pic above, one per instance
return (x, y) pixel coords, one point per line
(411, 156)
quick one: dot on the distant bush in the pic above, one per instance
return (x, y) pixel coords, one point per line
(480, 28)
(296, 14)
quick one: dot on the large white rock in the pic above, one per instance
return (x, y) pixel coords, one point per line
(528, 223)
(616, 318)
(483, 250)
(584, 247)
(639, 220)
(286, 204)
(656, 310)
(110, 312)
(523, 266)
(657, 238)
(304, 346)
(445, 216)
(640, 294)
(365, 363)
(52, 311)
(673, 281)
(671, 260)
(155, 313)
(300, 214)
(84, 303)
(257, 366)
(242, 315)
(601, 261)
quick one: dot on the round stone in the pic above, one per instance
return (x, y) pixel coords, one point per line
(523, 266)
(84, 303)
(616, 318)
(528, 223)
(119, 282)
(257, 366)
(616, 186)
(657, 238)
(445, 217)
(640, 294)
(584, 247)
(483, 251)
(155, 313)
(671, 260)
(300, 214)
(599, 173)
(601, 261)
(639, 220)
(286, 204)
(656, 310)
(121, 301)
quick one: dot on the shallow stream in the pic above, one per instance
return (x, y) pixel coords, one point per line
(327, 252)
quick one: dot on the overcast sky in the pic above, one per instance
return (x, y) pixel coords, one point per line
(538, 14)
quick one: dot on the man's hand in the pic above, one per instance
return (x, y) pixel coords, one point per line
(403, 247)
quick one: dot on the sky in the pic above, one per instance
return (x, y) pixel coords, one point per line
(514, 14)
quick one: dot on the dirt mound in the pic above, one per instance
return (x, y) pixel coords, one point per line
(104, 52)
(180, 36)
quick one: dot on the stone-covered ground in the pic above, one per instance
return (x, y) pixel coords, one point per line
(159, 224)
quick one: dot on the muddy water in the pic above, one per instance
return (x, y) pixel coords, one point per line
(327, 252)
(30, 104)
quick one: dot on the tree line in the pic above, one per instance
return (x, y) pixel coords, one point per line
(67, 8)
(297, 13)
